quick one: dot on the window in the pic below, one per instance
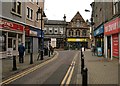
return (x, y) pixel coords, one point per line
(61, 30)
(77, 33)
(29, 13)
(55, 30)
(78, 23)
(50, 30)
(71, 33)
(2, 42)
(45, 30)
(37, 2)
(84, 33)
(115, 6)
(16, 7)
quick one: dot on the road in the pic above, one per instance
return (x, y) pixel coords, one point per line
(61, 70)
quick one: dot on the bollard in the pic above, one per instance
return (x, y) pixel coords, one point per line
(31, 58)
(41, 55)
(14, 63)
(85, 77)
(82, 64)
(49, 53)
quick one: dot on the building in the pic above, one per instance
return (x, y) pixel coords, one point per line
(33, 25)
(106, 28)
(112, 34)
(12, 23)
(19, 22)
(54, 32)
(77, 33)
(101, 12)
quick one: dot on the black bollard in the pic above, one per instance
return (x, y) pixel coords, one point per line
(14, 63)
(85, 77)
(31, 58)
(49, 53)
(41, 55)
(82, 64)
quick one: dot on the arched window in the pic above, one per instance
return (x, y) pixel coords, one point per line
(77, 32)
(70, 32)
(84, 33)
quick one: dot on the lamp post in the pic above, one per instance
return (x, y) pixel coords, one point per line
(40, 11)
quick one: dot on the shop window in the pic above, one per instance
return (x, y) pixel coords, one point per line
(9, 42)
(2, 42)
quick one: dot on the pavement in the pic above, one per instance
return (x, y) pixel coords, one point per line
(101, 71)
(7, 64)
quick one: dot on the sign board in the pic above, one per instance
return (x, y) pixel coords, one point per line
(53, 42)
(115, 45)
(99, 51)
(9, 52)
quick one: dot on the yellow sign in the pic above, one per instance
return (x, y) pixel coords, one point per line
(76, 39)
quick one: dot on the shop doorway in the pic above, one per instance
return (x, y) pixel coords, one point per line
(109, 46)
(12, 43)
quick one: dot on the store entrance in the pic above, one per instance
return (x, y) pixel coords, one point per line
(12, 43)
(109, 46)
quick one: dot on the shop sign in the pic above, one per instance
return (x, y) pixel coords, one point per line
(115, 45)
(99, 30)
(76, 39)
(99, 51)
(112, 27)
(27, 30)
(33, 33)
(11, 25)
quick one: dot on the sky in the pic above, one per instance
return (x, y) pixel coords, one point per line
(55, 9)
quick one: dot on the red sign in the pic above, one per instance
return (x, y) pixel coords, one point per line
(11, 25)
(27, 30)
(115, 45)
(112, 27)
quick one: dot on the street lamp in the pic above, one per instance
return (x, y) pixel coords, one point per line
(40, 11)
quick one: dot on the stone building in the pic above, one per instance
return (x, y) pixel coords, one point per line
(77, 33)
(54, 32)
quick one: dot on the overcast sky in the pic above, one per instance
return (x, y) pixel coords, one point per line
(55, 9)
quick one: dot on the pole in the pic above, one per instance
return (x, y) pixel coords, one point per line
(41, 37)
(85, 77)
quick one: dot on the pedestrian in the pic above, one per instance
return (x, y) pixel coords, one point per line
(21, 50)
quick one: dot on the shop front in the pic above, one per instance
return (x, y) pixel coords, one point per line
(12, 35)
(33, 39)
(77, 43)
(112, 38)
(99, 37)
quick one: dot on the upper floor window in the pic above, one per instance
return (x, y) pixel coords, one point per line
(78, 23)
(77, 32)
(84, 33)
(50, 30)
(29, 13)
(56, 30)
(70, 32)
(37, 2)
(31, 0)
(61, 30)
(115, 6)
(17, 7)
(45, 30)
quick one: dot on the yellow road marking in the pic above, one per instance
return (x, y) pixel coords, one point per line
(69, 73)
(27, 71)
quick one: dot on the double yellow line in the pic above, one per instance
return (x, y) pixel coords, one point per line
(68, 76)
(27, 71)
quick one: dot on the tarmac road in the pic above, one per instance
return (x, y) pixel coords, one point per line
(57, 71)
